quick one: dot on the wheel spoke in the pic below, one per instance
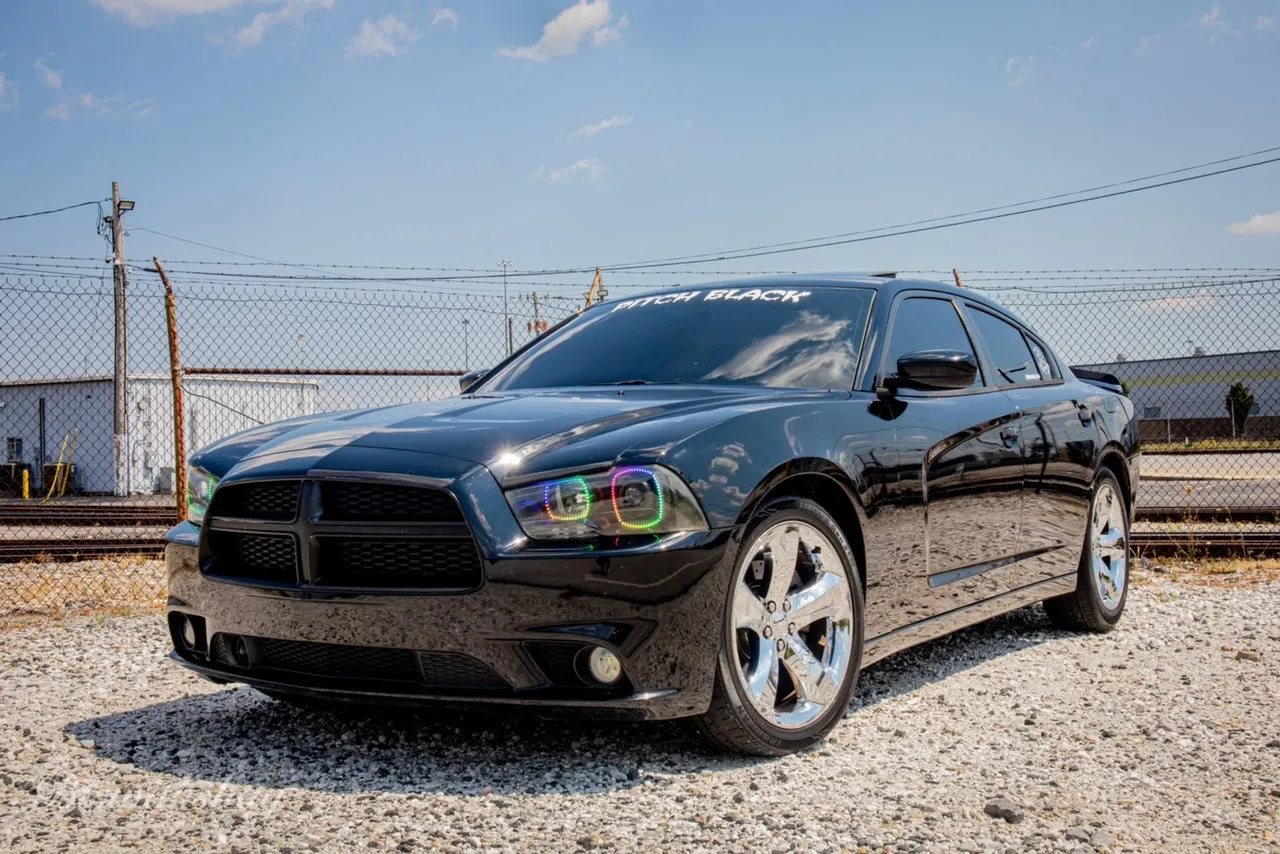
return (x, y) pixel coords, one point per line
(824, 598)
(748, 608)
(762, 678)
(784, 551)
(815, 683)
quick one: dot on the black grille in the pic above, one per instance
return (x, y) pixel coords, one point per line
(450, 563)
(260, 557)
(379, 502)
(275, 501)
(451, 671)
(456, 670)
(557, 660)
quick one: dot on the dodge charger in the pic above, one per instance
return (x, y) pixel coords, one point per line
(716, 503)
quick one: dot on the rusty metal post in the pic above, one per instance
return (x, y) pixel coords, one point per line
(175, 380)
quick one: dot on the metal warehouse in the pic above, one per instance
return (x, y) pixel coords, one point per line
(69, 420)
(1185, 398)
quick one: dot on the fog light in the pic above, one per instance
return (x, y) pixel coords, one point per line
(604, 666)
(188, 633)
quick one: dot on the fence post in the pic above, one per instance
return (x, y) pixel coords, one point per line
(175, 380)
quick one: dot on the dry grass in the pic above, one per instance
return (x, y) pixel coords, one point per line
(1211, 572)
(37, 591)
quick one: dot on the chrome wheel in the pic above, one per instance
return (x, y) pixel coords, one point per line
(1109, 551)
(792, 623)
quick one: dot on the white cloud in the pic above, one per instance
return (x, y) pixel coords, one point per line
(50, 78)
(591, 167)
(144, 13)
(292, 11)
(1264, 22)
(609, 33)
(93, 103)
(1090, 43)
(8, 93)
(141, 109)
(1145, 46)
(61, 112)
(1258, 224)
(1173, 304)
(588, 131)
(388, 36)
(538, 174)
(564, 33)
(1019, 69)
(444, 15)
(1215, 23)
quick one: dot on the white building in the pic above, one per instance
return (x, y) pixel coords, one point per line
(41, 419)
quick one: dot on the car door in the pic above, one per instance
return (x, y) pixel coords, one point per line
(960, 467)
(1058, 439)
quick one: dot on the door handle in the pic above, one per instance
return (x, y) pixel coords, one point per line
(1009, 437)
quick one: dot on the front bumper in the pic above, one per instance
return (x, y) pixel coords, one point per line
(660, 612)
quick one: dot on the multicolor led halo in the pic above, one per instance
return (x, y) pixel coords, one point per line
(572, 517)
(657, 488)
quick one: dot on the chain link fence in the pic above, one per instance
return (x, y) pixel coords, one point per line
(1198, 351)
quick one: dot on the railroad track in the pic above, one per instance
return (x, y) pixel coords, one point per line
(80, 515)
(1207, 514)
(1211, 543)
(12, 551)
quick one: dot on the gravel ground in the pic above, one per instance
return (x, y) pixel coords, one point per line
(1162, 736)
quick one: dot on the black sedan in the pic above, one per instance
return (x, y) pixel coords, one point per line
(717, 503)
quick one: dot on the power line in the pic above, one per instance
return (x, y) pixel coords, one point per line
(1054, 197)
(50, 211)
(791, 247)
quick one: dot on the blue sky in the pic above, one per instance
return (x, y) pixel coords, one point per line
(460, 132)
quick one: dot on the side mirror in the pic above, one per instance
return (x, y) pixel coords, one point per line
(937, 369)
(470, 378)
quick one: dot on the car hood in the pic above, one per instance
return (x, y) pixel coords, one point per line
(514, 434)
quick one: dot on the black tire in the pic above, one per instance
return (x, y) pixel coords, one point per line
(1083, 609)
(732, 723)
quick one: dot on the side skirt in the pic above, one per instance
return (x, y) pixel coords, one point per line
(944, 624)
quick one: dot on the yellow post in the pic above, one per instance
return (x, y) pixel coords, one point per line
(26, 485)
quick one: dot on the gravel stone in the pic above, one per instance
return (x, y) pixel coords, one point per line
(1005, 809)
(106, 745)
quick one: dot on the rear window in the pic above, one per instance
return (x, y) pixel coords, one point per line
(790, 337)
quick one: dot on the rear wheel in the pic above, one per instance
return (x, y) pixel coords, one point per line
(792, 634)
(1102, 585)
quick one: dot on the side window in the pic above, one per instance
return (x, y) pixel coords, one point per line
(1043, 364)
(926, 323)
(1008, 350)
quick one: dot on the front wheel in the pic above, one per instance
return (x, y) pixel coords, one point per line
(792, 634)
(1102, 585)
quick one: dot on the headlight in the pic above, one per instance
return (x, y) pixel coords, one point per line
(619, 502)
(200, 486)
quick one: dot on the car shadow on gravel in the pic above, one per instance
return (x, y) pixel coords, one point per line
(238, 736)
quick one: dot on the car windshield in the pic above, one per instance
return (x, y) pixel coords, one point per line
(783, 337)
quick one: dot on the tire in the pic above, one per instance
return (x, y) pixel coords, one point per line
(1102, 583)
(802, 690)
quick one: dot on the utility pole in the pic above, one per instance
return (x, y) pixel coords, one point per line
(120, 379)
(506, 313)
(537, 326)
(466, 345)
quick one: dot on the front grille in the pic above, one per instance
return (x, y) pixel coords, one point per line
(452, 671)
(341, 534)
(444, 563)
(380, 502)
(272, 501)
(259, 557)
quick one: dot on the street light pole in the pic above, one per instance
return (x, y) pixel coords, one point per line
(506, 313)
